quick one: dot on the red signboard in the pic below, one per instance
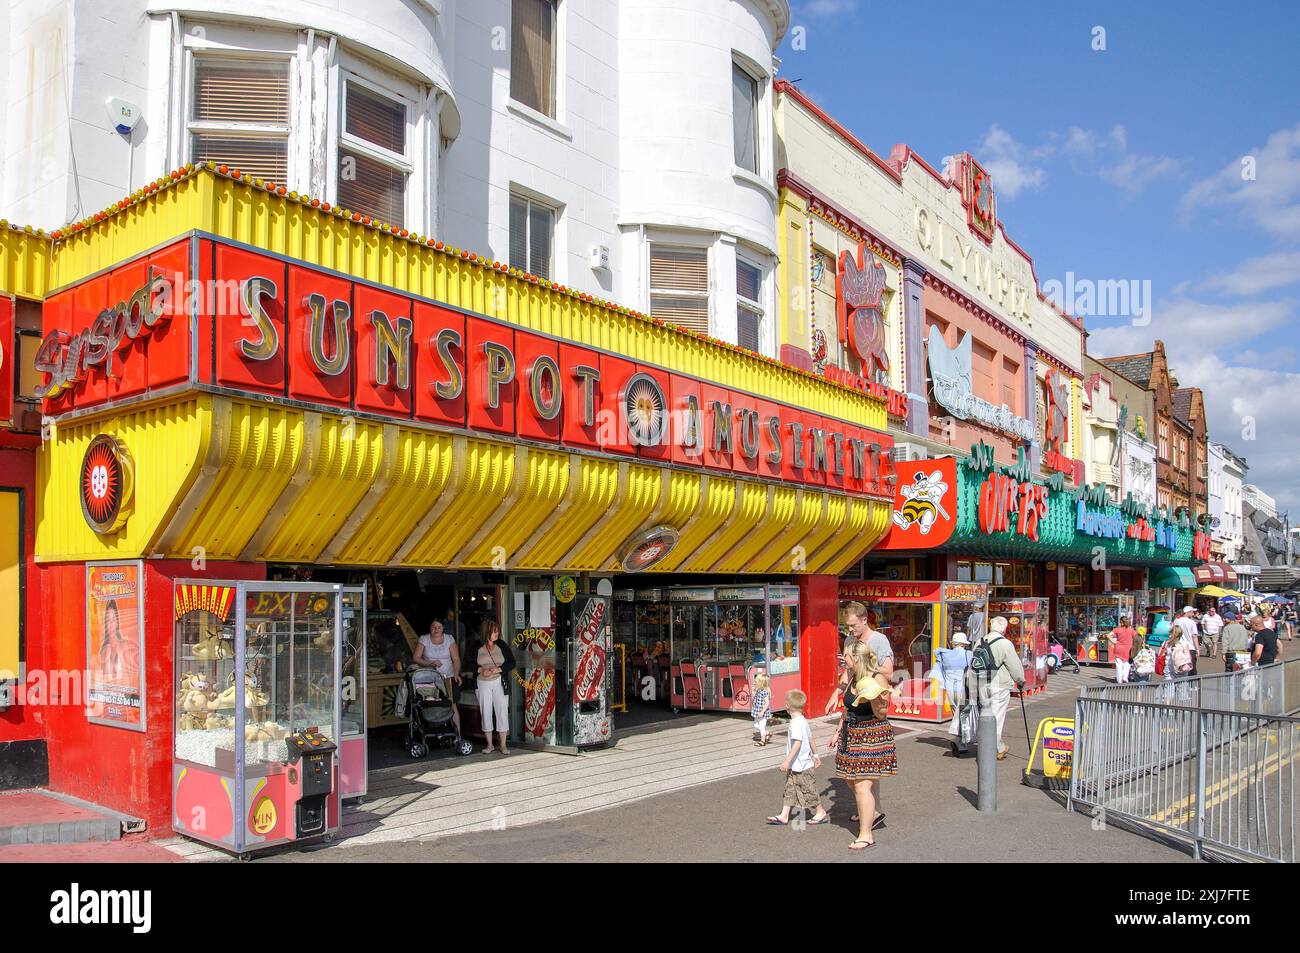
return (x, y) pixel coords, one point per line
(925, 505)
(890, 591)
(271, 327)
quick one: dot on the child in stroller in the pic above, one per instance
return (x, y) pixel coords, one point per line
(431, 719)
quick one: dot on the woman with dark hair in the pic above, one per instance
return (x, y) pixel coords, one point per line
(111, 647)
(490, 689)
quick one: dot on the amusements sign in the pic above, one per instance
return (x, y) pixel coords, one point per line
(115, 644)
(262, 325)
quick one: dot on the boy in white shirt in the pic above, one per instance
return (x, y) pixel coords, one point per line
(800, 761)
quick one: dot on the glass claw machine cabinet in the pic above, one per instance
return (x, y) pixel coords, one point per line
(919, 617)
(1027, 628)
(721, 637)
(1085, 621)
(257, 713)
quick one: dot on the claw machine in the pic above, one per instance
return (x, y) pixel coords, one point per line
(257, 712)
(919, 617)
(1027, 628)
(720, 637)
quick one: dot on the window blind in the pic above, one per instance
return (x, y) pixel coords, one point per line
(748, 280)
(747, 329)
(372, 187)
(518, 232)
(541, 226)
(744, 107)
(532, 54)
(262, 156)
(234, 92)
(690, 313)
(239, 91)
(376, 119)
(679, 269)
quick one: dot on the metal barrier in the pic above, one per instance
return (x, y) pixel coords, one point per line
(1209, 760)
(1264, 690)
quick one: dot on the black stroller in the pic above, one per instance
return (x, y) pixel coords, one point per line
(429, 715)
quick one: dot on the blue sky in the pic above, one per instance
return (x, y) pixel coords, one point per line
(1122, 163)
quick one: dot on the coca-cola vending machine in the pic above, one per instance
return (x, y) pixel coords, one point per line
(563, 640)
(590, 645)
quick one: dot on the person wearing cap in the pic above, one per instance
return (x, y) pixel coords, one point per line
(1235, 640)
(1121, 648)
(952, 664)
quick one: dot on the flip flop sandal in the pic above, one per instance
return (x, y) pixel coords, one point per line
(824, 820)
(876, 824)
(777, 822)
(865, 844)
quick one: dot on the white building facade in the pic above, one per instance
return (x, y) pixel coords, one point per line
(1139, 476)
(1231, 531)
(624, 149)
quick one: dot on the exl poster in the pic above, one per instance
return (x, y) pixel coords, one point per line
(115, 644)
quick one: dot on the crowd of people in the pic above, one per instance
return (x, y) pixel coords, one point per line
(1245, 638)
(980, 677)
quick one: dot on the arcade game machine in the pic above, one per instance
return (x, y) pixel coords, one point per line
(919, 617)
(1085, 621)
(1027, 628)
(641, 628)
(257, 713)
(721, 637)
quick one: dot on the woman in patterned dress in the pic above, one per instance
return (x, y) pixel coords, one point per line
(865, 750)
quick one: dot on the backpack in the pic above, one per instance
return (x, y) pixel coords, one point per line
(1181, 656)
(981, 659)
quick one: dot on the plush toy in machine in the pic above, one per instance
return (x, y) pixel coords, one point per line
(252, 697)
(266, 731)
(215, 721)
(193, 721)
(195, 692)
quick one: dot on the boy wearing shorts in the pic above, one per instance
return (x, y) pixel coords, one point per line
(800, 761)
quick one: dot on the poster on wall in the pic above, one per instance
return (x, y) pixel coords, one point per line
(115, 644)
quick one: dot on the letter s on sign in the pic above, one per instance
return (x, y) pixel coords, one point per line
(251, 293)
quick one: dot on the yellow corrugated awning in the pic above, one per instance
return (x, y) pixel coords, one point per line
(230, 479)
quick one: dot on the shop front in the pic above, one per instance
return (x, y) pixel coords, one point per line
(1055, 560)
(313, 440)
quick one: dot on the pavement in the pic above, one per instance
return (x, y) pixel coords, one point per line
(695, 788)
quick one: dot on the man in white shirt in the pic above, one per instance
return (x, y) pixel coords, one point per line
(1212, 622)
(1190, 631)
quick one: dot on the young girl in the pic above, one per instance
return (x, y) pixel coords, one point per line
(761, 709)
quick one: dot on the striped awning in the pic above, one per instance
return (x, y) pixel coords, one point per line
(1219, 574)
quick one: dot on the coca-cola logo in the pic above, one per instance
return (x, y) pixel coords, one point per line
(539, 702)
(591, 668)
(587, 628)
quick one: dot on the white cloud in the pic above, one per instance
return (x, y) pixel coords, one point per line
(1190, 327)
(827, 8)
(1133, 173)
(1005, 160)
(1016, 167)
(1205, 346)
(1254, 275)
(1271, 199)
